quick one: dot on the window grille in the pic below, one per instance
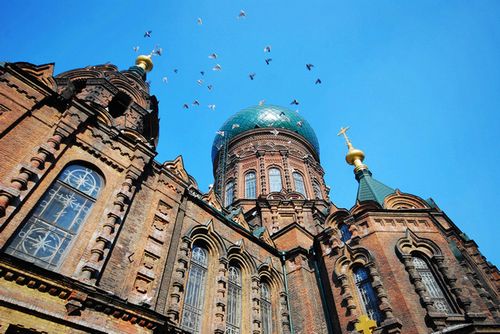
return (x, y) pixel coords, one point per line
(431, 285)
(195, 290)
(57, 217)
(275, 184)
(299, 183)
(317, 190)
(345, 234)
(250, 185)
(367, 294)
(228, 199)
(265, 308)
(233, 325)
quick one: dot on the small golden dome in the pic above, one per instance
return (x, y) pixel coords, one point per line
(144, 62)
(354, 154)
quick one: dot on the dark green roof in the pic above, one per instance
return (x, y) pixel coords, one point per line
(371, 189)
(265, 116)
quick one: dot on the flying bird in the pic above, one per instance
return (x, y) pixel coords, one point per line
(196, 103)
(282, 113)
(267, 48)
(213, 56)
(200, 82)
(275, 132)
(318, 81)
(261, 102)
(148, 33)
(235, 126)
(242, 14)
(251, 76)
(295, 102)
(164, 79)
(176, 70)
(210, 87)
(217, 67)
(136, 48)
(199, 21)
(268, 60)
(157, 51)
(211, 106)
(202, 72)
(309, 66)
(299, 123)
(185, 106)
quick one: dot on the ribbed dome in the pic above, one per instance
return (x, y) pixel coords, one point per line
(266, 116)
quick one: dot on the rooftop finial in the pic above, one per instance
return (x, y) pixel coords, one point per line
(144, 62)
(354, 156)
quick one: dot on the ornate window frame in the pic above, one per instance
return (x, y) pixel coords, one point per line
(349, 259)
(47, 232)
(411, 245)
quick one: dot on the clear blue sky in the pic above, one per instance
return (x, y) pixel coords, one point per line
(417, 81)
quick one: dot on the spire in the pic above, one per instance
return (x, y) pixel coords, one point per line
(369, 188)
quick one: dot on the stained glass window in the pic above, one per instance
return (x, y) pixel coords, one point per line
(228, 199)
(299, 183)
(275, 180)
(57, 217)
(345, 234)
(250, 185)
(431, 285)
(367, 294)
(233, 325)
(265, 308)
(195, 290)
(317, 190)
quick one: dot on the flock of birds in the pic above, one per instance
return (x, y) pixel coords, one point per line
(157, 51)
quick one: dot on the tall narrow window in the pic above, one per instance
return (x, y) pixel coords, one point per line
(345, 234)
(234, 301)
(250, 185)
(265, 308)
(195, 290)
(229, 197)
(317, 190)
(367, 294)
(299, 183)
(275, 180)
(57, 217)
(431, 285)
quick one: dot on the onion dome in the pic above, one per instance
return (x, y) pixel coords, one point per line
(265, 116)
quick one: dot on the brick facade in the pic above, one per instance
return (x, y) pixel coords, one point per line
(126, 270)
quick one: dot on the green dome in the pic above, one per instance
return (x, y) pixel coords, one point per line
(266, 116)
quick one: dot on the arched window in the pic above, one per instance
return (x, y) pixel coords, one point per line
(265, 308)
(195, 290)
(57, 217)
(317, 190)
(250, 185)
(367, 294)
(275, 180)
(431, 285)
(345, 234)
(229, 197)
(234, 301)
(299, 183)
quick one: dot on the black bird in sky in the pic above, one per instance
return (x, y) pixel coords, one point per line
(318, 81)
(148, 33)
(309, 66)
(295, 102)
(251, 76)
(268, 60)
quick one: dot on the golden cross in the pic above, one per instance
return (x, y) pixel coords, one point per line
(365, 325)
(343, 132)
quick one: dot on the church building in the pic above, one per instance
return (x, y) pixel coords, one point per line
(97, 236)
